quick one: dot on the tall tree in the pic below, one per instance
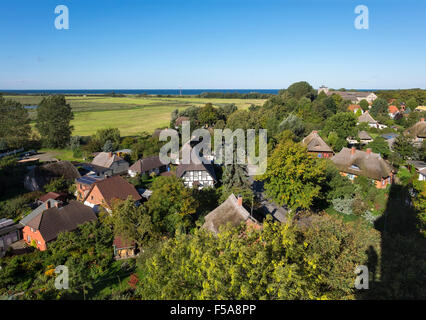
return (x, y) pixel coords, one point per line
(293, 177)
(380, 106)
(53, 121)
(14, 124)
(171, 204)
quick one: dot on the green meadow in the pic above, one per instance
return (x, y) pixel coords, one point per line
(131, 114)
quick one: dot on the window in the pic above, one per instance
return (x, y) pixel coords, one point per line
(355, 167)
(28, 239)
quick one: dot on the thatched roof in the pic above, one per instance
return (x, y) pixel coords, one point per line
(362, 163)
(38, 177)
(363, 135)
(366, 117)
(315, 143)
(418, 130)
(229, 212)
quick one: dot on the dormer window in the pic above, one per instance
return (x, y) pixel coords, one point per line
(354, 167)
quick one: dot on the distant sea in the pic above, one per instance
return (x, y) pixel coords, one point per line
(140, 91)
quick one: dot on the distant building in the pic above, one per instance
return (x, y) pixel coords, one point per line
(147, 166)
(353, 163)
(317, 146)
(367, 118)
(108, 164)
(420, 167)
(197, 175)
(230, 212)
(393, 111)
(103, 193)
(353, 96)
(44, 225)
(364, 138)
(417, 132)
(10, 232)
(355, 108)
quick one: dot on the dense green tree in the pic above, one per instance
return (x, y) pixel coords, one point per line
(207, 115)
(364, 104)
(53, 121)
(342, 123)
(108, 146)
(14, 124)
(380, 145)
(132, 222)
(379, 107)
(295, 125)
(280, 261)
(403, 147)
(293, 177)
(171, 205)
(301, 89)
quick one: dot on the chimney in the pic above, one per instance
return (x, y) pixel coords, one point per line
(240, 201)
(422, 120)
(353, 149)
(47, 204)
(110, 154)
(368, 150)
(315, 132)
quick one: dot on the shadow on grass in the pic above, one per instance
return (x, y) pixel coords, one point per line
(398, 271)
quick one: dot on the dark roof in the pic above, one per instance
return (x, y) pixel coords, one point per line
(229, 212)
(8, 226)
(115, 188)
(315, 143)
(40, 176)
(362, 163)
(146, 164)
(55, 220)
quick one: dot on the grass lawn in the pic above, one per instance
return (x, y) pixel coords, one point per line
(131, 114)
(60, 154)
(130, 121)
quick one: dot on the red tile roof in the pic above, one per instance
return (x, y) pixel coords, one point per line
(116, 188)
(393, 109)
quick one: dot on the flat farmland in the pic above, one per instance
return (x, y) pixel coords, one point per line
(131, 114)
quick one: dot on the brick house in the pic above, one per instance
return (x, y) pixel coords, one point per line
(317, 146)
(44, 226)
(353, 163)
(103, 193)
(84, 184)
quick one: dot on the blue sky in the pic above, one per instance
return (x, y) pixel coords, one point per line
(211, 44)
